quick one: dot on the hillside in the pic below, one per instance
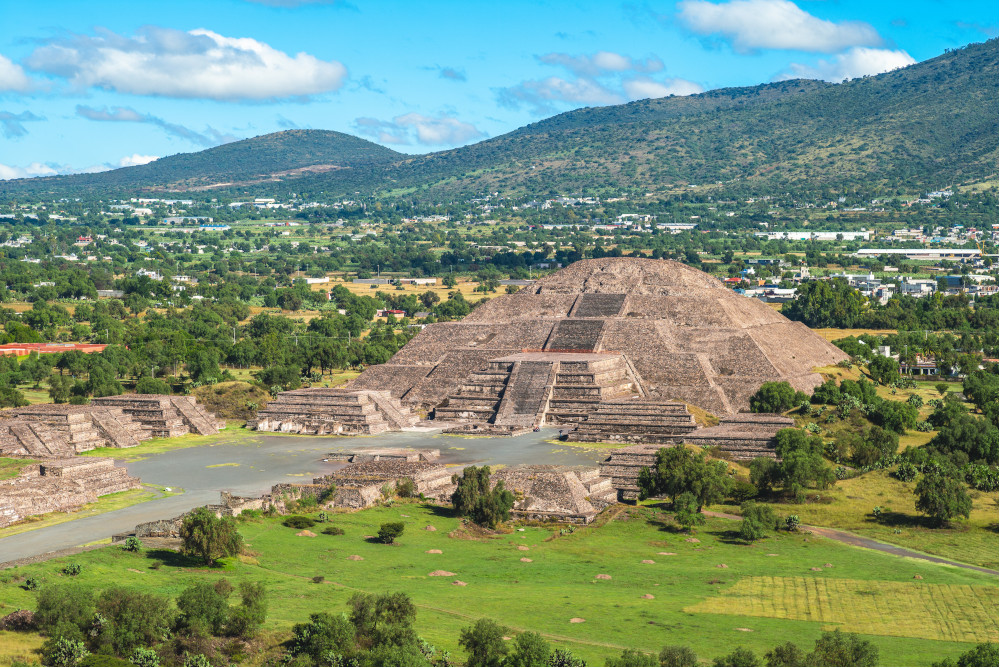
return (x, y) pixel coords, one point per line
(281, 154)
(929, 125)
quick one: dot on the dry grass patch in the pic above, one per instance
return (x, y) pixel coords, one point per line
(19, 649)
(957, 613)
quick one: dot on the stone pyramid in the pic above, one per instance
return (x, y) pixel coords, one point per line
(682, 334)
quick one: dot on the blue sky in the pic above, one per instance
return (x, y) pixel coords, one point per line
(86, 86)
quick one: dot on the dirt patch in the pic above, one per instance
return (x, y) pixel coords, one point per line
(307, 533)
(433, 551)
(721, 566)
(441, 574)
(602, 576)
(827, 565)
(133, 570)
(744, 629)
(667, 554)
(577, 620)
(459, 583)
(691, 540)
(523, 548)
(648, 561)
(918, 577)
(430, 528)
(355, 557)
(815, 568)
(647, 596)
(526, 560)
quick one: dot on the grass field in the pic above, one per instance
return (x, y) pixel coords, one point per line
(233, 433)
(11, 467)
(848, 505)
(104, 504)
(560, 583)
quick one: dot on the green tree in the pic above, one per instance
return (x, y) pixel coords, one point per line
(484, 642)
(59, 388)
(474, 498)
(632, 657)
(203, 606)
(208, 537)
(61, 651)
(942, 497)
(738, 657)
(776, 397)
(788, 654)
(679, 470)
(390, 531)
(678, 655)
(758, 520)
(842, 649)
(530, 649)
(144, 657)
(246, 619)
(883, 369)
(62, 607)
(324, 637)
(686, 511)
(132, 618)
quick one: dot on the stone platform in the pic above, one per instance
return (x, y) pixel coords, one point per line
(164, 415)
(637, 421)
(82, 428)
(319, 410)
(386, 454)
(63, 484)
(531, 389)
(359, 485)
(574, 494)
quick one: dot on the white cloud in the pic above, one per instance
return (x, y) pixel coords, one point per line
(418, 128)
(137, 159)
(773, 24)
(644, 87)
(195, 64)
(856, 62)
(13, 78)
(34, 169)
(541, 94)
(601, 63)
(12, 125)
(211, 136)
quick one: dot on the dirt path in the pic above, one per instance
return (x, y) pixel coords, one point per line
(869, 543)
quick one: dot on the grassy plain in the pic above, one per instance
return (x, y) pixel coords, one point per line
(233, 433)
(10, 467)
(560, 583)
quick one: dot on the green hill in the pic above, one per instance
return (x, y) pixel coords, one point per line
(929, 125)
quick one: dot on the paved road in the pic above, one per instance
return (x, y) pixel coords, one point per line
(871, 544)
(252, 466)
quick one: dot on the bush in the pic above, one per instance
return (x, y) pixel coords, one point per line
(742, 490)
(475, 498)
(132, 544)
(31, 584)
(64, 606)
(632, 657)
(485, 644)
(842, 649)
(204, 606)
(678, 655)
(209, 537)
(758, 519)
(942, 497)
(405, 488)
(738, 657)
(776, 397)
(247, 618)
(333, 531)
(72, 569)
(298, 522)
(785, 655)
(390, 531)
(792, 523)
(63, 652)
(132, 619)
(144, 657)
(905, 472)
(981, 476)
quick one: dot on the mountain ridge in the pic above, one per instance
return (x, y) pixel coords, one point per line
(927, 125)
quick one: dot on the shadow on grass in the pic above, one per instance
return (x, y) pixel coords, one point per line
(891, 518)
(727, 536)
(439, 511)
(177, 559)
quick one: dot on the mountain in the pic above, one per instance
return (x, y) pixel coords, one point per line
(929, 125)
(266, 158)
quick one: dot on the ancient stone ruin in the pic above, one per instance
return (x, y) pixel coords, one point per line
(599, 332)
(60, 485)
(557, 493)
(62, 430)
(165, 415)
(360, 485)
(358, 455)
(320, 410)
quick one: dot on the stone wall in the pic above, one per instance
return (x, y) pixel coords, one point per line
(320, 410)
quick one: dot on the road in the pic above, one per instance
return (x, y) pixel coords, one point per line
(251, 467)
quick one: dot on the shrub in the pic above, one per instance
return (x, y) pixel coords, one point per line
(905, 472)
(144, 657)
(405, 488)
(298, 522)
(485, 644)
(63, 606)
(742, 490)
(63, 652)
(942, 497)
(209, 537)
(31, 584)
(758, 519)
(333, 531)
(792, 523)
(776, 397)
(842, 649)
(318, 579)
(72, 569)
(788, 654)
(390, 531)
(247, 618)
(738, 657)
(132, 619)
(132, 544)
(686, 511)
(981, 476)
(632, 657)
(203, 606)
(678, 655)
(475, 498)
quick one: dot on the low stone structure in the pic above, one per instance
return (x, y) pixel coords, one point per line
(65, 429)
(557, 493)
(320, 410)
(360, 485)
(60, 485)
(164, 415)
(640, 421)
(743, 437)
(386, 454)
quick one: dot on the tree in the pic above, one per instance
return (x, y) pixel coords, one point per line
(632, 657)
(59, 388)
(202, 606)
(474, 498)
(738, 657)
(776, 397)
(942, 497)
(788, 654)
(883, 369)
(59, 651)
(983, 654)
(977, 439)
(150, 385)
(679, 470)
(678, 655)
(842, 649)
(62, 608)
(686, 511)
(132, 619)
(530, 649)
(324, 637)
(758, 519)
(390, 531)
(209, 537)
(484, 642)
(247, 618)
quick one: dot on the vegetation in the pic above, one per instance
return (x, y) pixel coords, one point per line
(474, 498)
(208, 537)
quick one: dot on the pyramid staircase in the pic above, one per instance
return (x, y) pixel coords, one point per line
(319, 410)
(163, 415)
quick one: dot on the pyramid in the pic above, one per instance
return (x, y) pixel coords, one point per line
(673, 333)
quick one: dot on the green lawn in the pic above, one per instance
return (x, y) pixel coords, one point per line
(233, 433)
(10, 467)
(695, 601)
